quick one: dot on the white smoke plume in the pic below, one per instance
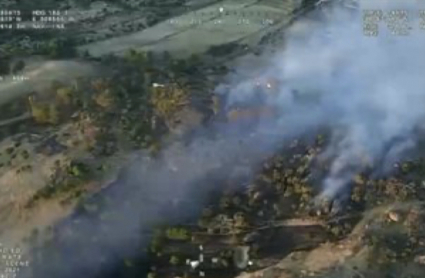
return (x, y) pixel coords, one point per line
(372, 89)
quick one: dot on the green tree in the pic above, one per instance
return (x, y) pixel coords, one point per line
(64, 95)
(4, 66)
(166, 57)
(177, 234)
(174, 260)
(18, 66)
(61, 48)
(306, 4)
(152, 275)
(79, 169)
(169, 100)
(157, 241)
(53, 114)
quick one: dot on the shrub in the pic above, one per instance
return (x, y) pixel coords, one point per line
(19, 66)
(177, 234)
(174, 260)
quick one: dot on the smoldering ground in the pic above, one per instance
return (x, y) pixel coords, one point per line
(368, 90)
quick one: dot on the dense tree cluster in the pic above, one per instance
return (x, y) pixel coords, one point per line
(53, 107)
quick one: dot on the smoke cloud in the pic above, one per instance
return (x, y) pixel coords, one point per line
(369, 90)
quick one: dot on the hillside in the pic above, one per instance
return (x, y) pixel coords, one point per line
(160, 139)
